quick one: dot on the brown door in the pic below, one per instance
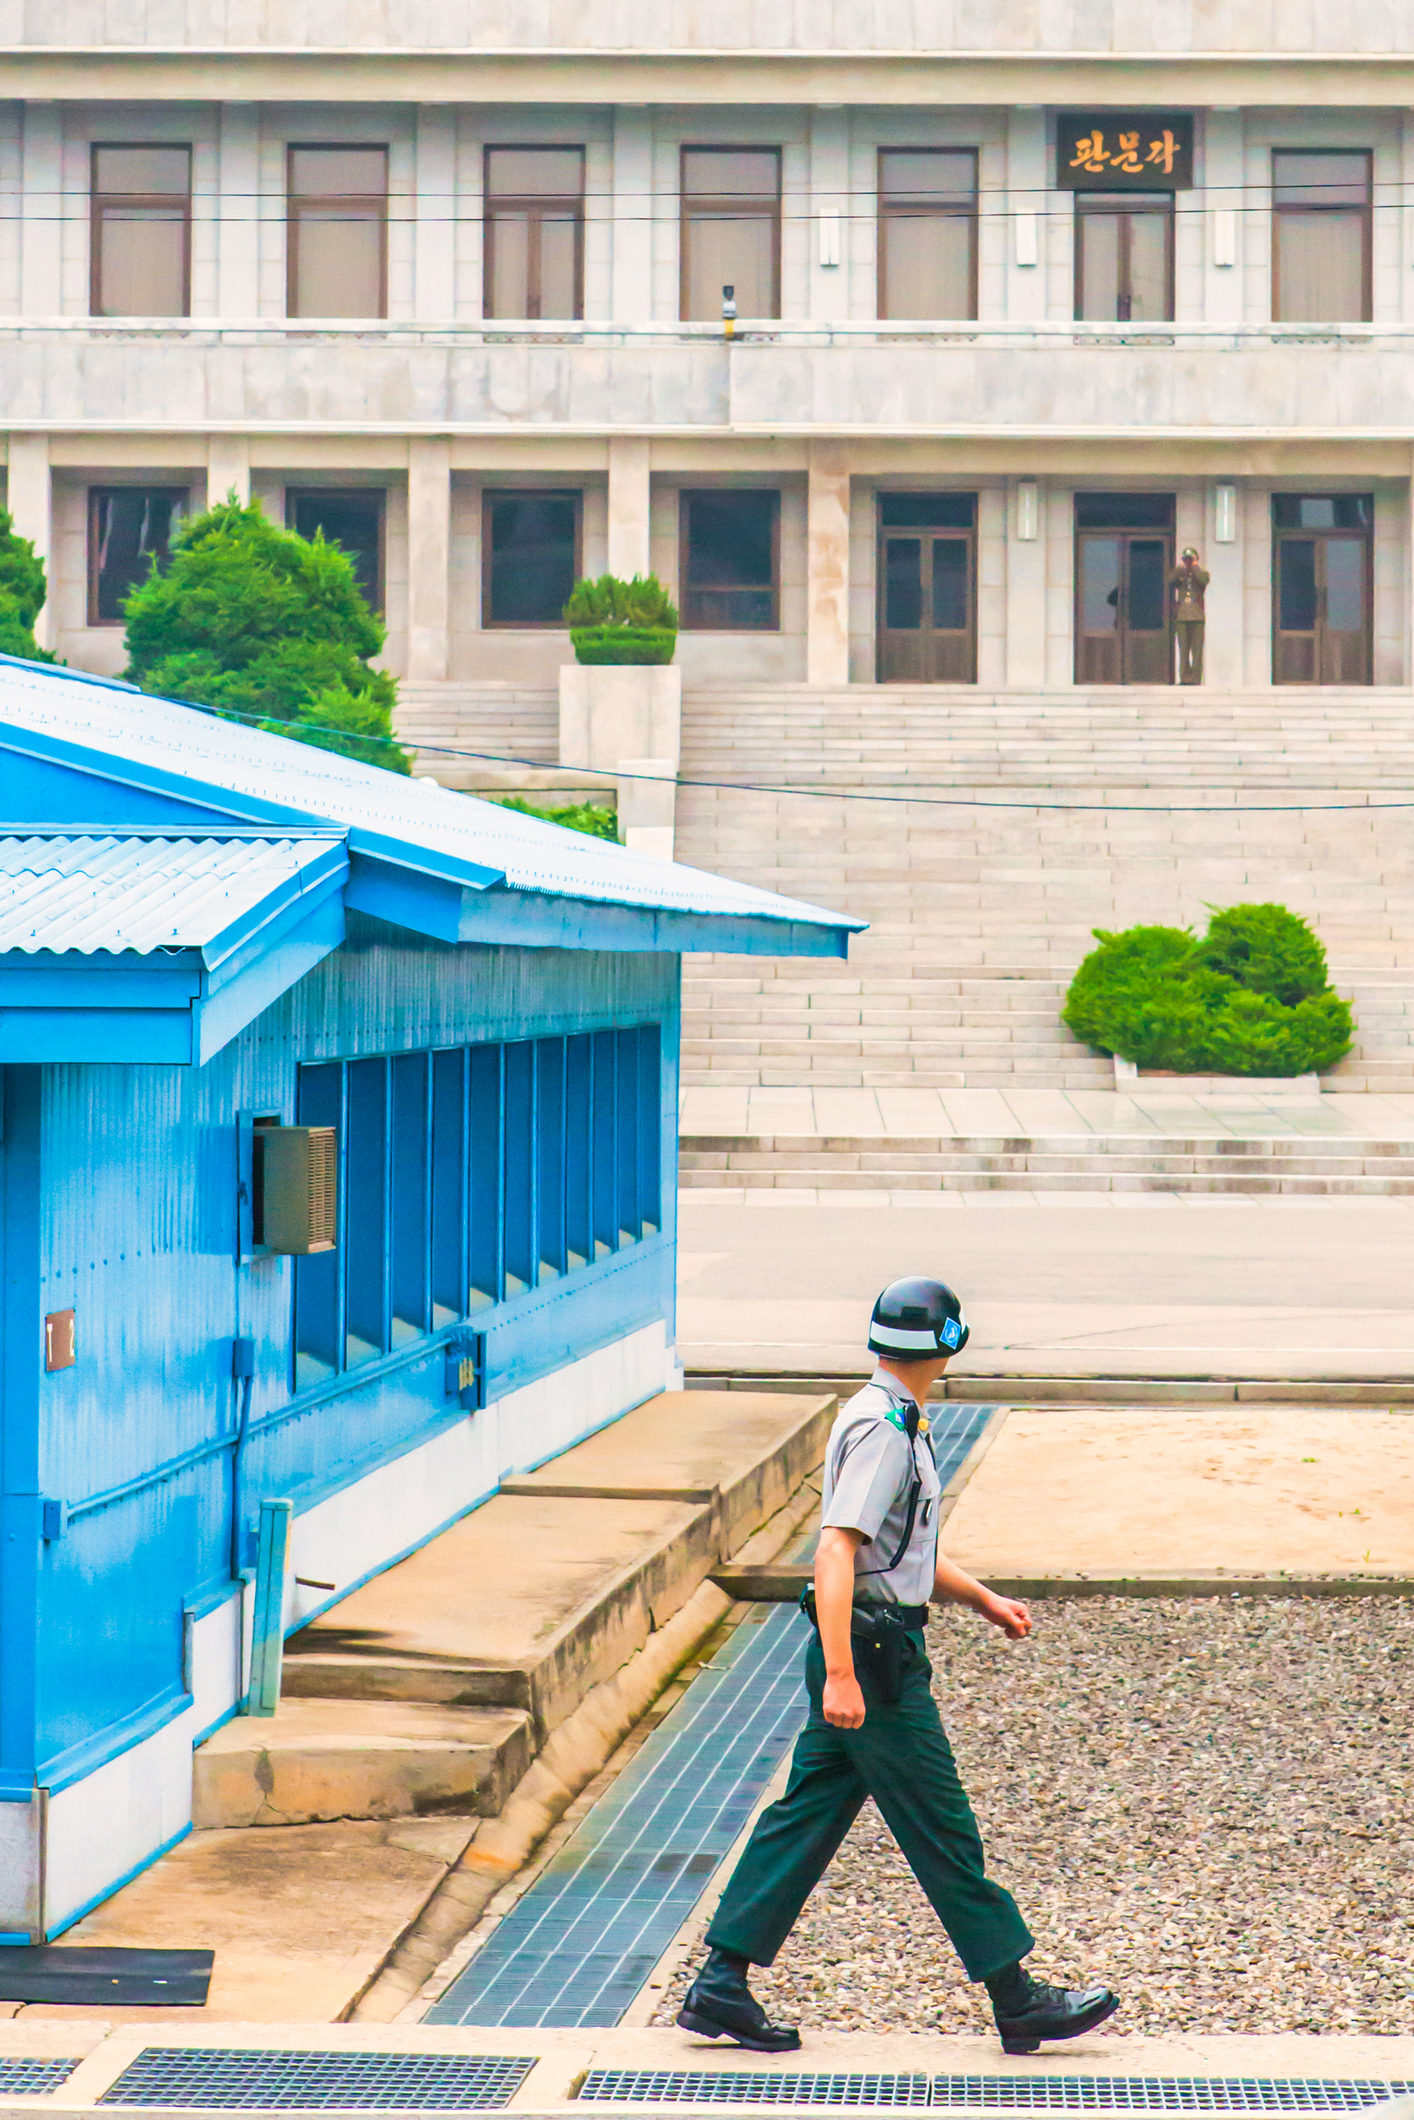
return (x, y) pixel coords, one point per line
(927, 608)
(1122, 630)
(1322, 608)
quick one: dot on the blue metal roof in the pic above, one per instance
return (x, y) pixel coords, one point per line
(413, 824)
(124, 892)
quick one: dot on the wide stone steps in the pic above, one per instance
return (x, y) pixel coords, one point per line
(1076, 1163)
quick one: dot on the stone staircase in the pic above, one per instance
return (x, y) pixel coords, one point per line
(979, 913)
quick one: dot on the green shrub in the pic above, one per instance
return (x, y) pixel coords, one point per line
(1250, 998)
(268, 626)
(22, 592)
(613, 621)
(591, 817)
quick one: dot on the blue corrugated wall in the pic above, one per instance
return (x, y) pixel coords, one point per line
(133, 1222)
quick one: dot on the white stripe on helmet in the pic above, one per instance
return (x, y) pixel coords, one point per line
(895, 1338)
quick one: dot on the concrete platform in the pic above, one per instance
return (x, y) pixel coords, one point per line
(744, 1461)
(300, 1917)
(324, 1759)
(1169, 1492)
(541, 1593)
(562, 2057)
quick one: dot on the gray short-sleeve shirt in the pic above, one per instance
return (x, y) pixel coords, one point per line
(870, 1470)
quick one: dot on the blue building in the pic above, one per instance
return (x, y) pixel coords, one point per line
(339, 1140)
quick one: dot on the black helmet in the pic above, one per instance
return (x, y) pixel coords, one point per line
(916, 1319)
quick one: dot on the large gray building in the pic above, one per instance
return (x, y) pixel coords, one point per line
(1027, 296)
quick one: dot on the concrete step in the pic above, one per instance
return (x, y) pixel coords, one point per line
(327, 1759)
(568, 1579)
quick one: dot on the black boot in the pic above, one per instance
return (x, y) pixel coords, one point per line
(720, 2005)
(1028, 2011)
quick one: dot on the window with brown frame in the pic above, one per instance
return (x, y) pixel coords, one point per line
(129, 527)
(927, 232)
(731, 231)
(337, 253)
(140, 241)
(1124, 257)
(350, 517)
(730, 564)
(534, 253)
(530, 544)
(1321, 236)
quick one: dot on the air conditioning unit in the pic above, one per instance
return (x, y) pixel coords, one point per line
(296, 1188)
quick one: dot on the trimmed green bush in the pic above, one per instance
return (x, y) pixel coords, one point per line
(613, 621)
(1251, 997)
(22, 593)
(592, 817)
(269, 627)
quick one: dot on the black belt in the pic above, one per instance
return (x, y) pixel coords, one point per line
(913, 1617)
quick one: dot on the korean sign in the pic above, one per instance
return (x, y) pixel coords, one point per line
(1124, 151)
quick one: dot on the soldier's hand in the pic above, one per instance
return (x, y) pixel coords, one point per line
(1009, 1614)
(843, 1703)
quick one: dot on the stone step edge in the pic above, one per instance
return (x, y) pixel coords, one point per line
(1338, 1147)
(1019, 1387)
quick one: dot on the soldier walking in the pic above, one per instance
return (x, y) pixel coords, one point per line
(873, 1727)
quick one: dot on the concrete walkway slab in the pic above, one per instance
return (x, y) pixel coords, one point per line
(329, 1899)
(746, 1458)
(324, 1759)
(1247, 1289)
(1239, 1490)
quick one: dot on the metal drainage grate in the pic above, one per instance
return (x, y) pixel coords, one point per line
(1158, 2094)
(663, 2086)
(990, 2094)
(26, 2072)
(255, 2078)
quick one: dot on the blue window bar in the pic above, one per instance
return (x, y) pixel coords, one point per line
(469, 1176)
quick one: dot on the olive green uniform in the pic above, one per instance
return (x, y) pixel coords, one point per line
(899, 1755)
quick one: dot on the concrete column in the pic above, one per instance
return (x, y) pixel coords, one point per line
(632, 276)
(1025, 584)
(429, 555)
(434, 264)
(1223, 197)
(29, 497)
(1026, 210)
(227, 468)
(827, 567)
(42, 217)
(238, 210)
(628, 505)
(829, 214)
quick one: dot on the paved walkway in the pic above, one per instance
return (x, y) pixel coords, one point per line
(1152, 1115)
(1056, 1284)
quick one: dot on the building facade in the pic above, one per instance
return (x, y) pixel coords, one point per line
(1025, 300)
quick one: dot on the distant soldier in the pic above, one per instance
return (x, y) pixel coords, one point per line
(1187, 581)
(873, 1726)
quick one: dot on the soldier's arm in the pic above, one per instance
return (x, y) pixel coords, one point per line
(843, 1703)
(954, 1586)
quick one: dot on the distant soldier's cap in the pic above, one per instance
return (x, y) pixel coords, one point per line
(915, 1319)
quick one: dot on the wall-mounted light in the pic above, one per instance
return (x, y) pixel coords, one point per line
(1225, 236)
(829, 239)
(1028, 511)
(1225, 515)
(1027, 242)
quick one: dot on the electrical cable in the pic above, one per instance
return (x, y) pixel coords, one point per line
(734, 787)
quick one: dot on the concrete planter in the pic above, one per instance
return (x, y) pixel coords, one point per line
(613, 711)
(1130, 1077)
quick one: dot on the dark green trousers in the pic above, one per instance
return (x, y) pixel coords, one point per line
(900, 1756)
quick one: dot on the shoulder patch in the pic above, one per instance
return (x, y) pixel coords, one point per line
(891, 1413)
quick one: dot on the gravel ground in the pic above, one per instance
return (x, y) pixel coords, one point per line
(1208, 1803)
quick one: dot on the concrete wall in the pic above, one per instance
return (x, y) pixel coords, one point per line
(1046, 27)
